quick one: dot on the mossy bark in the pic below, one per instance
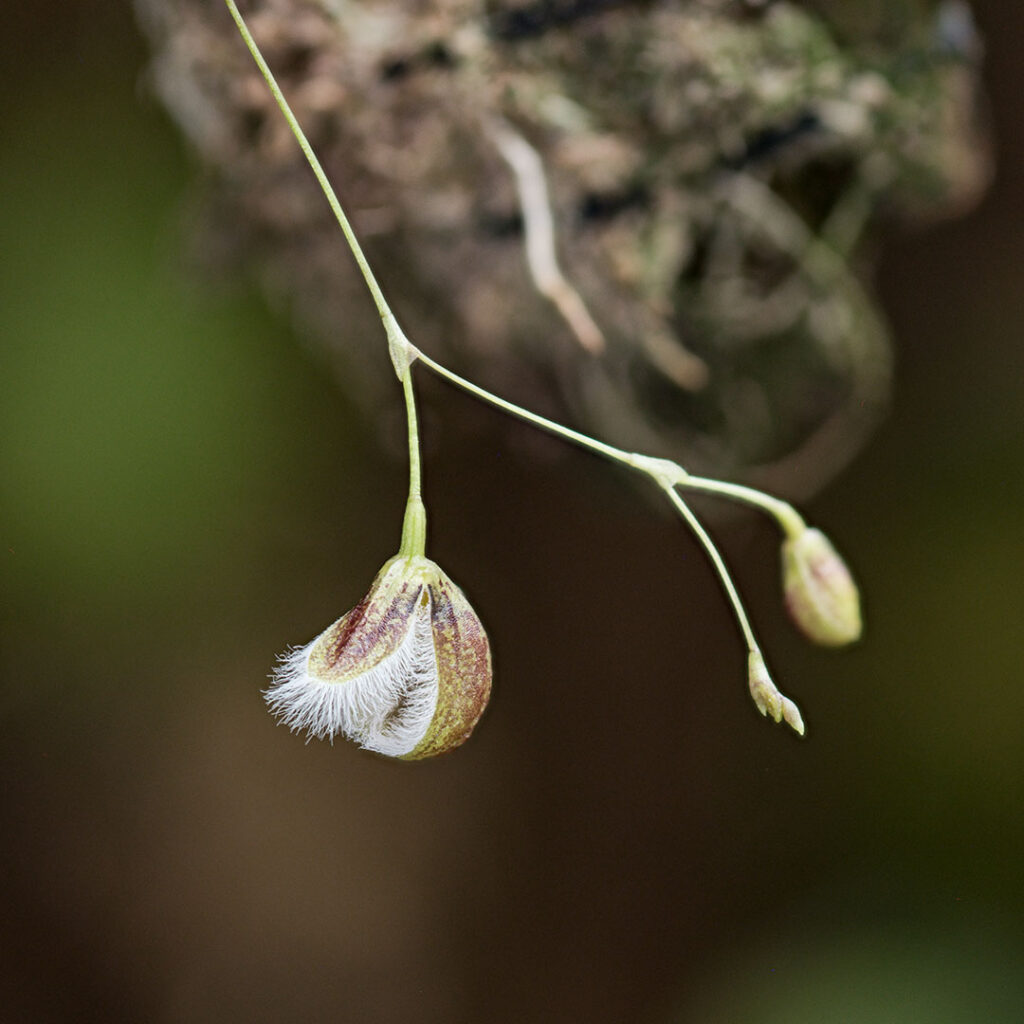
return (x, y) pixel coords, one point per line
(712, 169)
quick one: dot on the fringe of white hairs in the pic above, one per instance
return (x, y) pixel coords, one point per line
(387, 709)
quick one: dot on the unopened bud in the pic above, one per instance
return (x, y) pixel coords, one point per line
(406, 673)
(820, 593)
(767, 697)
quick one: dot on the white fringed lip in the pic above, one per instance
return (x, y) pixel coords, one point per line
(387, 708)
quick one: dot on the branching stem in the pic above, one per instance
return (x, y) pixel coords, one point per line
(666, 474)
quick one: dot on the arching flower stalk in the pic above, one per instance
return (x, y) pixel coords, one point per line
(407, 672)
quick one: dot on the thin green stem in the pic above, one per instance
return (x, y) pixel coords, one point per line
(414, 526)
(414, 436)
(782, 512)
(398, 345)
(616, 454)
(720, 567)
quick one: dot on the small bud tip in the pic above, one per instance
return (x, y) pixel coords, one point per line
(768, 699)
(791, 713)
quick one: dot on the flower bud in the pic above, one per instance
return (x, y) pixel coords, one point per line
(820, 593)
(406, 673)
(767, 697)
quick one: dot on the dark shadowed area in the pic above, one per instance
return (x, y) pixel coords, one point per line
(186, 491)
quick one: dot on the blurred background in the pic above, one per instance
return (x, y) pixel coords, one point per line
(186, 491)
